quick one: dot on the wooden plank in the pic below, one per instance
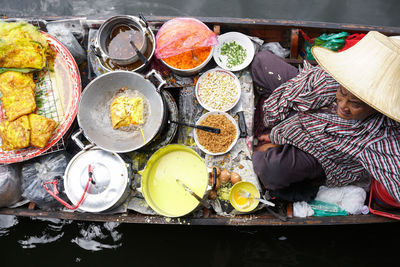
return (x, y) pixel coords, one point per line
(294, 44)
(257, 219)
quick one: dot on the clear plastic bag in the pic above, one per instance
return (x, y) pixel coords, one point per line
(10, 185)
(180, 35)
(37, 172)
(276, 48)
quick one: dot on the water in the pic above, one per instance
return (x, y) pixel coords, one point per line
(374, 12)
(37, 242)
(65, 243)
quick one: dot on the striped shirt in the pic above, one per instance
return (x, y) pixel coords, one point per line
(346, 149)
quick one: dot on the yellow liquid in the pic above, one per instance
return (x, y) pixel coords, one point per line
(239, 199)
(169, 196)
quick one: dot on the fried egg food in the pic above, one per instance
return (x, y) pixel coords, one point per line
(41, 129)
(19, 103)
(126, 111)
(15, 134)
(11, 81)
(22, 46)
(18, 95)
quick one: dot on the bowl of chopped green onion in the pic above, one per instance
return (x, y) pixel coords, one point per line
(234, 51)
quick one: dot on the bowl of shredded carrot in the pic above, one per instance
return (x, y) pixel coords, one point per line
(189, 62)
(185, 45)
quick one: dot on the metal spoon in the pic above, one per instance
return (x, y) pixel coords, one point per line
(140, 55)
(190, 191)
(248, 195)
(200, 127)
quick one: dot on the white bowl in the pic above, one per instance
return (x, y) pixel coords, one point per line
(193, 71)
(203, 103)
(240, 39)
(216, 113)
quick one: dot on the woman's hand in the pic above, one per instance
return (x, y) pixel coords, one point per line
(265, 147)
(265, 137)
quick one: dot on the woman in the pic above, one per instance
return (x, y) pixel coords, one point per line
(336, 122)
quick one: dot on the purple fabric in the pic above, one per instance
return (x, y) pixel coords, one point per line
(268, 72)
(279, 167)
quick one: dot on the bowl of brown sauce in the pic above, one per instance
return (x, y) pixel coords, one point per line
(113, 41)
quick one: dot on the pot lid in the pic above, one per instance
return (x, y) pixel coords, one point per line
(110, 176)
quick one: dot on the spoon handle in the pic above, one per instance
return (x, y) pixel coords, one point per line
(200, 127)
(140, 55)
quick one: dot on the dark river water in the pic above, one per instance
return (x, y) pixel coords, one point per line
(34, 242)
(64, 243)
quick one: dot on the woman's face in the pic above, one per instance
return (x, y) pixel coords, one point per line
(350, 107)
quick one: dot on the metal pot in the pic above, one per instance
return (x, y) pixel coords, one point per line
(159, 185)
(94, 111)
(111, 180)
(135, 64)
(106, 31)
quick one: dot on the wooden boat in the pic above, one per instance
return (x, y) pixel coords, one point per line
(287, 33)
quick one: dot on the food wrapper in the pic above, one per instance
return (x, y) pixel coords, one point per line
(180, 35)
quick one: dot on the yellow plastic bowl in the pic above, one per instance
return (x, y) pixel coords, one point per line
(241, 203)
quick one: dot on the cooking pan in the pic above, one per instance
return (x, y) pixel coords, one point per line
(159, 184)
(94, 111)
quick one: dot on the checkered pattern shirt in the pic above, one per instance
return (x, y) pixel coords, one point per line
(346, 149)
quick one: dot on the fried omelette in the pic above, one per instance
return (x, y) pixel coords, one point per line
(15, 134)
(11, 81)
(18, 97)
(41, 129)
(22, 46)
(126, 111)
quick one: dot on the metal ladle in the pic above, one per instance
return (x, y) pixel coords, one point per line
(200, 127)
(140, 55)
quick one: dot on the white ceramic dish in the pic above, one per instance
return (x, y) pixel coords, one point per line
(216, 95)
(216, 113)
(240, 39)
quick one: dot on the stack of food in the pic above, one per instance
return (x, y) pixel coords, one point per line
(22, 50)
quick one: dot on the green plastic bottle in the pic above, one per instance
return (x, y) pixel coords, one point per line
(322, 208)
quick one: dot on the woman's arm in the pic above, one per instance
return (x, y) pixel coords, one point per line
(311, 89)
(382, 160)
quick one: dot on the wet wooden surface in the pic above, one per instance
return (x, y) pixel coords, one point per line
(257, 219)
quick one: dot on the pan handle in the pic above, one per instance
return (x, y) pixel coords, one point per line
(158, 77)
(78, 142)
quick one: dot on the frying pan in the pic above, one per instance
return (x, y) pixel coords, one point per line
(94, 111)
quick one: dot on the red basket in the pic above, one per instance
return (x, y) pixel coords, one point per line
(381, 198)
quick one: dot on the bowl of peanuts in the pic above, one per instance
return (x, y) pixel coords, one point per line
(218, 90)
(212, 143)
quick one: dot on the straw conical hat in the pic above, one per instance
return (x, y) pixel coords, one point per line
(370, 70)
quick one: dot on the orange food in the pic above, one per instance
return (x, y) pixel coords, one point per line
(189, 59)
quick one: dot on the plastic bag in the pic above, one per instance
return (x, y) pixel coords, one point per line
(322, 208)
(64, 35)
(10, 185)
(302, 209)
(276, 48)
(45, 169)
(350, 198)
(332, 41)
(180, 35)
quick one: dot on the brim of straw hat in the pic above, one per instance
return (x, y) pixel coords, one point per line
(370, 70)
